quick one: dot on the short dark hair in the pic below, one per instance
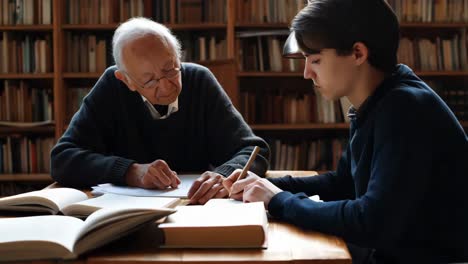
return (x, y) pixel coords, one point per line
(339, 24)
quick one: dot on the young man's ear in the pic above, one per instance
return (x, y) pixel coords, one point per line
(360, 52)
(120, 76)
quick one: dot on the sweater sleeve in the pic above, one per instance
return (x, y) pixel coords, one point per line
(397, 182)
(81, 157)
(330, 186)
(230, 139)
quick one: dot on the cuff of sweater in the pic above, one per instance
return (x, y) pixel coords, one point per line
(119, 170)
(224, 170)
(278, 203)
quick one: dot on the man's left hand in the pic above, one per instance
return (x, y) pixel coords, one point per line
(208, 185)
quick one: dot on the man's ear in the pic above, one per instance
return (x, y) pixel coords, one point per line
(360, 52)
(120, 76)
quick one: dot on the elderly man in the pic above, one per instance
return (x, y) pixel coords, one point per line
(151, 115)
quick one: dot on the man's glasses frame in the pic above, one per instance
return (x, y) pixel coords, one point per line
(153, 83)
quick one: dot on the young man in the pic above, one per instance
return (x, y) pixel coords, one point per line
(151, 115)
(399, 192)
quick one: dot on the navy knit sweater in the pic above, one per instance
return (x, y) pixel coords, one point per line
(400, 186)
(113, 129)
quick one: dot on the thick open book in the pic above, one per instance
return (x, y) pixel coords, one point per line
(73, 202)
(221, 223)
(65, 237)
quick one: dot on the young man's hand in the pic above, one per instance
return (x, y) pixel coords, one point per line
(208, 185)
(251, 189)
(155, 175)
(236, 188)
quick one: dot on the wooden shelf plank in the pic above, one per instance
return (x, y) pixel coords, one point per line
(262, 25)
(433, 25)
(26, 28)
(311, 126)
(269, 74)
(82, 75)
(402, 25)
(26, 76)
(300, 74)
(16, 177)
(4, 130)
(200, 26)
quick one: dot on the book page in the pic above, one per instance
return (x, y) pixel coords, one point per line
(180, 192)
(54, 198)
(109, 224)
(108, 200)
(57, 229)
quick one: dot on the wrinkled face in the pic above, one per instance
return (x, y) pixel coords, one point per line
(333, 75)
(152, 69)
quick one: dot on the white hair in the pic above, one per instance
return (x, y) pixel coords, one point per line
(136, 28)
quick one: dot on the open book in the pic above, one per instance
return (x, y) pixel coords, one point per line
(65, 237)
(221, 223)
(73, 202)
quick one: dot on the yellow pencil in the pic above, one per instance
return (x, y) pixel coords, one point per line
(247, 166)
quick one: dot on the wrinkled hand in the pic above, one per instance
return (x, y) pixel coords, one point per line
(236, 188)
(152, 175)
(208, 185)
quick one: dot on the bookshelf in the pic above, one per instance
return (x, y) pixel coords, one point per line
(222, 25)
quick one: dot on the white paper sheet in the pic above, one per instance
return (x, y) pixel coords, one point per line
(180, 192)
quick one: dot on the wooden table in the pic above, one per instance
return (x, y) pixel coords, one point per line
(286, 244)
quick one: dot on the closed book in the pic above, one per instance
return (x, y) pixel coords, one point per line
(221, 223)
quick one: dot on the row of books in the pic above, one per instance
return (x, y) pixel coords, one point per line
(430, 10)
(268, 11)
(321, 154)
(75, 96)
(262, 51)
(108, 11)
(24, 53)
(27, 12)
(19, 102)
(25, 154)
(87, 52)
(438, 54)
(202, 48)
(455, 95)
(258, 107)
(198, 11)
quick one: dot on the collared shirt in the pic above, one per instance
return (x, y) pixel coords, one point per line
(172, 108)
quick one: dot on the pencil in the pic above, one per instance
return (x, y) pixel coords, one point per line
(247, 166)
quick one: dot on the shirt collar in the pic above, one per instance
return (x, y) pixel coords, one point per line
(172, 108)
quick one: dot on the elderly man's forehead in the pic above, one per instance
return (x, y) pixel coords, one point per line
(143, 46)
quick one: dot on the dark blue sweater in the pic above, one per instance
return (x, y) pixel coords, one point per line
(114, 129)
(400, 187)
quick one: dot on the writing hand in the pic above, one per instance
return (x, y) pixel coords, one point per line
(236, 187)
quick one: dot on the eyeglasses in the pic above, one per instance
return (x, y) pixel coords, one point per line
(153, 83)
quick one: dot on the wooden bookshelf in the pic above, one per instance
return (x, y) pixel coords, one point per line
(81, 75)
(34, 28)
(26, 76)
(289, 127)
(50, 129)
(301, 74)
(226, 70)
(436, 25)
